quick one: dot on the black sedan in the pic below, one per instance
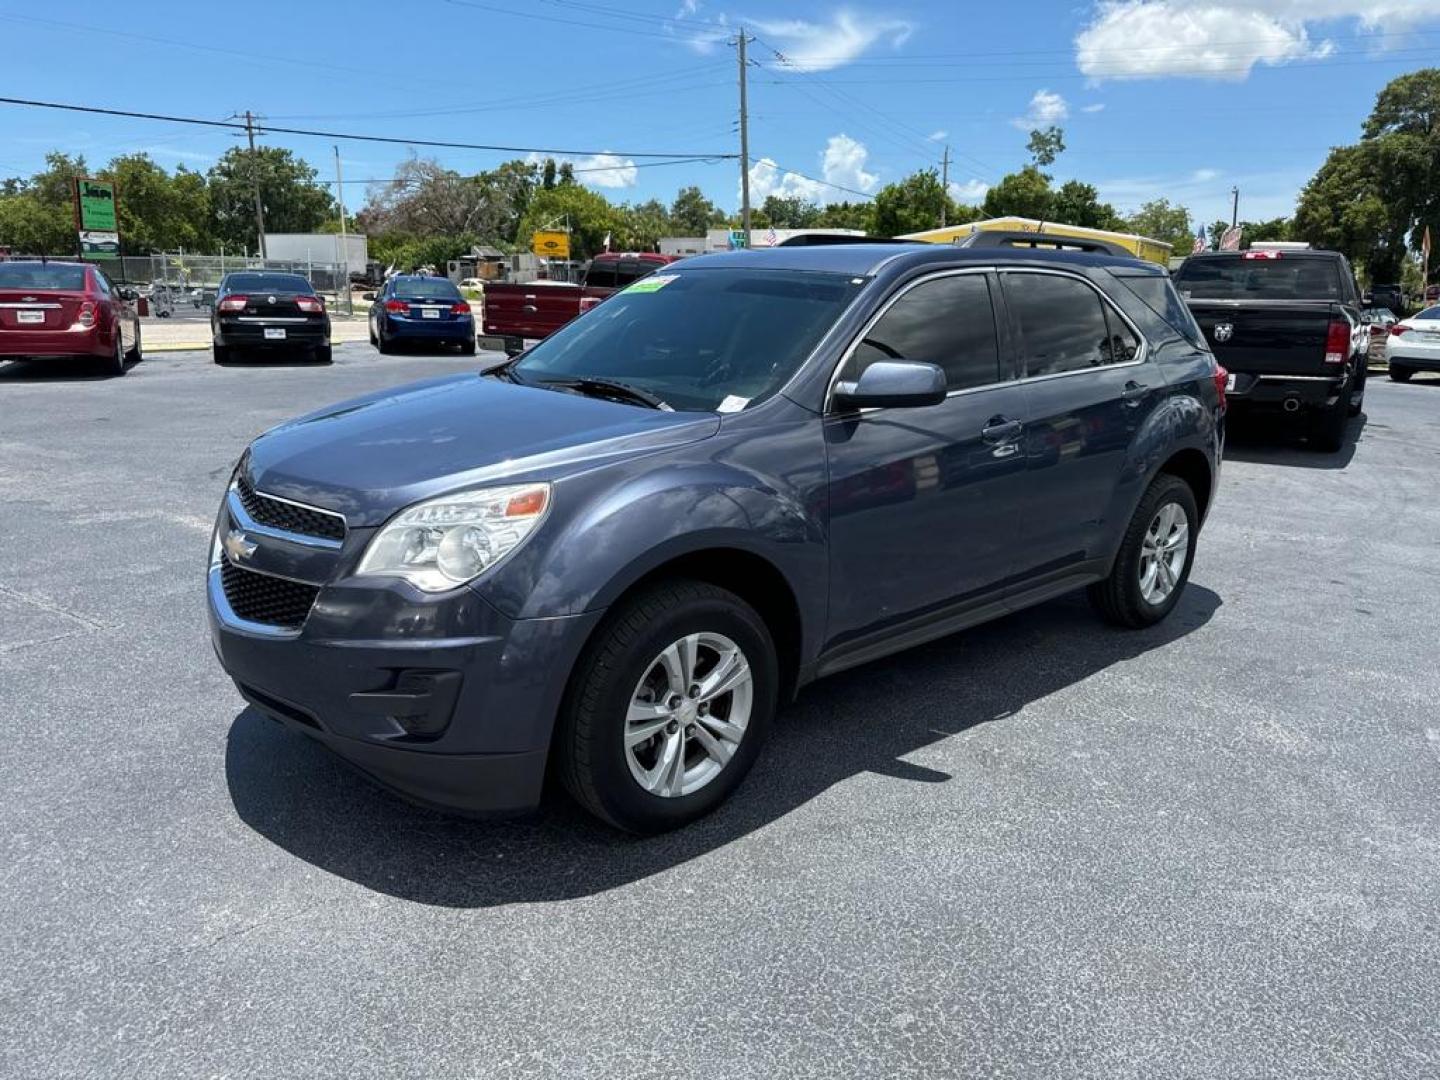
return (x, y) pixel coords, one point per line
(259, 310)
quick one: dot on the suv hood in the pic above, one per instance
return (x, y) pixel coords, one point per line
(368, 457)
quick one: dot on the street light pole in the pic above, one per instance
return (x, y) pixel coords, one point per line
(744, 144)
(255, 178)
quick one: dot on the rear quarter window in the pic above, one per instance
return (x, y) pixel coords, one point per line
(1159, 295)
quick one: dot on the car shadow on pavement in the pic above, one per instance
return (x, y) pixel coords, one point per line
(299, 796)
(61, 369)
(1280, 440)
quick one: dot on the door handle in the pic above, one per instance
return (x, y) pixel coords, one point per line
(1001, 430)
(1133, 392)
(530, 309)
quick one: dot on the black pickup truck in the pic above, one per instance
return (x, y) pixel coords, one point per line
(1287, 326)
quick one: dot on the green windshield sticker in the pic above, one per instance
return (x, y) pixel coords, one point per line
(653, 283)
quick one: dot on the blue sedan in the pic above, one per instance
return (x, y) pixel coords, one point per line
(421, 309)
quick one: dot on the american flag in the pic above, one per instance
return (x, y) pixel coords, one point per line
(1230, 238)
(771, 239)
(1201, 243)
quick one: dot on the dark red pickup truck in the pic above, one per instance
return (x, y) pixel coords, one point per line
(518, 315)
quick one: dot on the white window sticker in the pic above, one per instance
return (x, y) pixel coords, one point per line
(732, 404)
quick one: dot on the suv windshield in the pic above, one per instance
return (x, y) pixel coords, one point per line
(22, 275)
(426, 288)
(698, 339)
(287, 283)
(1236, 277)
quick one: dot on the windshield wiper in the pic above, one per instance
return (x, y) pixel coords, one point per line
(592, 384)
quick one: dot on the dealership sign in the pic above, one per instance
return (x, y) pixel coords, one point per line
(96, 218)
(551, 245)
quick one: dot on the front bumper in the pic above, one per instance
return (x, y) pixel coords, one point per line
(439, 697)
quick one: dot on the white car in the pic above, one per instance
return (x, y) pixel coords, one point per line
(1414, 345)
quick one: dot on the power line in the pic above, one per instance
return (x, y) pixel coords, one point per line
(233, 126)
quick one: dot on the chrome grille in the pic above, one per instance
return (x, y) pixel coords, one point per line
(288, 516)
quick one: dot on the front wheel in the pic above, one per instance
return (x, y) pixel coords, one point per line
(1153, 563)
(668, 707)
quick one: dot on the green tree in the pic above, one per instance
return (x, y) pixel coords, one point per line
(1021, 194)
(793, 213)
(589, 214)
(160, 212)
(1046, 145)
(912, 205)
(293, 200)
(1159, 220)
(1343, 208)
(640, 227)
(1078, 203)
(847, 215)
(691, 214)
(37, 216)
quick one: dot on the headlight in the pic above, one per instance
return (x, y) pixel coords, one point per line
(446, 542)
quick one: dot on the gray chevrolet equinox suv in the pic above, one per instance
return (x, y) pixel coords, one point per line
(613, 558)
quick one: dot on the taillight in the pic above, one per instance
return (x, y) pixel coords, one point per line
(312, 304)
(1222, 377)
(1397, 329)
(1337, 342)
(233, 303)
(87, 313)
(397, 306)
(460, 308)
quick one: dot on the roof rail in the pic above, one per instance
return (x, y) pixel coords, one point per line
(826, 239)
(983, 238)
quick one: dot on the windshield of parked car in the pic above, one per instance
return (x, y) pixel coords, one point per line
(1239, 278)
(697, 339)
(425, 288)
(286, 283)
(21, 275)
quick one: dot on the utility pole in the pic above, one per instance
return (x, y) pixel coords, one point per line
(344, 291)
(744, 145)
(1235, 207)
(255, 178)
(944, 184)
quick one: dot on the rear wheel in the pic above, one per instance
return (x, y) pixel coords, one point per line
(373, 339)
(115, 365)
(1153, 563)
(1357, 393)
(385, 346)
(221, 354)
(467, 348)
(1399, 373)
(324, 354)
(135, 354)
(1329, 423)
(668, 707)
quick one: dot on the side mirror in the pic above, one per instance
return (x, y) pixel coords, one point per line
(892, 384)
(369, 296)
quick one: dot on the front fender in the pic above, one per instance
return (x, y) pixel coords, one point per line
(603, 540)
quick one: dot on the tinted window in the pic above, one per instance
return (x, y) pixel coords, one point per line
(948, 322)
(1124, 344)
(1429, 313)
(698, 339)
(601, 275)
(1235, 277)
(287, 283)
(1062, 324)
(425, 288)
(102, 283)
(627, 272)
(23, 275)
(1160, 297)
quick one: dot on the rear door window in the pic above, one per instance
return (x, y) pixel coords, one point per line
(947, 321)
(1064, 326)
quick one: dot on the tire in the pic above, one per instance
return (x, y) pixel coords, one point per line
(324, 354)
(115, 365)
(373, 339)
(221, 354)
(1357, 393)
(1327, 431)
(1121, 598)
(136, 355)
(467, 348)
(385, 346)
(622, 664)
(1400, 374)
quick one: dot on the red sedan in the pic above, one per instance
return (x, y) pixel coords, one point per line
(66, 309)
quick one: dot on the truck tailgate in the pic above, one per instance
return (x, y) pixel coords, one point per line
(1270, 337)
(529, 311)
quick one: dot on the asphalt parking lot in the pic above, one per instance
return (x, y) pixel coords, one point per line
(1042, 848)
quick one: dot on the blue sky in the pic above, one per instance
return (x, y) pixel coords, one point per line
(1176, 98)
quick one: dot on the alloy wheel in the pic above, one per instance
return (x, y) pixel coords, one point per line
(1163, 552)
(688, 714)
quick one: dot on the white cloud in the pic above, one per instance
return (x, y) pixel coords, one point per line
(972, 191)
(701, 33)
(1223, 39)
(1045, 109)
(1203, 176)
(1099, 106)
(809, 46)
(937, 136)
(842, 163)
(597, 170)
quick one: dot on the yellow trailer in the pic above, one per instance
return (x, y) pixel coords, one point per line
(1156, 251)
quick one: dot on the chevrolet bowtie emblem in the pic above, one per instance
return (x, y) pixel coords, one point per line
(238, 546)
